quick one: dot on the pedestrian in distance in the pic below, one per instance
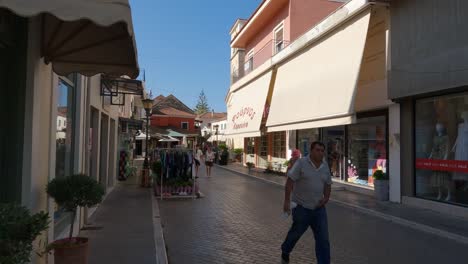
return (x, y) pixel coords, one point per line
(209, 158)
(309, 181)
(295, 155)
(197, 158)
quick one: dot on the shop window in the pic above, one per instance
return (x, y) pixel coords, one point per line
(279, 145)
(305, 137)
(248, 66)
(334, 140)
(64, 140)
(441, 148)
(250, 146)
(264, 146)
(367, 149)
(279, 39)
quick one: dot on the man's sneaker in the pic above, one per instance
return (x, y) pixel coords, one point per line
(284, 258)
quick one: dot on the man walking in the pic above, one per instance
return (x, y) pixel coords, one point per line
(309, 180)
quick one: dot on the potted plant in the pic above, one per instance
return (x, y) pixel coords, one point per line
(71, 193)
(238, 153)
(18, 230)
(250, 165)
(380, 185)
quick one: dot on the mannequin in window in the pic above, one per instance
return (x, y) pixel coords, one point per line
(461, 148)
(440, 151)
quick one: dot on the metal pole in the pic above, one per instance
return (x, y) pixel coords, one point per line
(146, 163)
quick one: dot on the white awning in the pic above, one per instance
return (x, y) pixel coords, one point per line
(85, 36)
(317, 88)
(246, 106)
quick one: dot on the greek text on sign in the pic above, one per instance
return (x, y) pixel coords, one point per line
(241, 118)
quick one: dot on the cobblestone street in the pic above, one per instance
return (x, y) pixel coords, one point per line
(238, 221)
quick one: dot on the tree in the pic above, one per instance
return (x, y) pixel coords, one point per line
(202, 104)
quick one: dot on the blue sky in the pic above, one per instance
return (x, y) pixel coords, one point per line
(183, 45)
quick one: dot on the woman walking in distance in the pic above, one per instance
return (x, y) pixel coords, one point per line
(209, 158)
(197, 158)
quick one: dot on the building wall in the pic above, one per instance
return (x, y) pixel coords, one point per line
(429, 46)
(262, 42)
(39, 131)
(305, 14)
(394, 152)
(163, 121)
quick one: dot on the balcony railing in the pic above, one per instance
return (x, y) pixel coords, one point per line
(259, 57)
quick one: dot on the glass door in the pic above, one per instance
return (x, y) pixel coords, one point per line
(263, 152)
(334, 140)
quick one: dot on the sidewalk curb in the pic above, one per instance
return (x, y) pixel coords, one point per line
(387, 217)
(160, 244)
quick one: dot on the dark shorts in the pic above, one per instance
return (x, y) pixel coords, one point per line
(209, 163)
(197, 162)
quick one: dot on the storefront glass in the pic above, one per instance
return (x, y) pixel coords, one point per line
(305, 137)
(367, 149)
(64, 141)
(250, 150)
(279, 145)
(334, 140)
(441, 148)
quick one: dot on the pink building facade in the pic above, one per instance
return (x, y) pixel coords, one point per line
(274, 25)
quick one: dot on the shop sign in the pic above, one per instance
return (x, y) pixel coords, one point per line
(241, 119)
(442, 165)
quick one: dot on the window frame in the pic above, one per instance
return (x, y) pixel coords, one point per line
(279, 27)
(279, 151)
(249, 61)
(182, 125)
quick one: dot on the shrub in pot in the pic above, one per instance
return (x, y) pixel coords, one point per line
(381, 185)
(18, 230)
(238, 152)
(71, 193)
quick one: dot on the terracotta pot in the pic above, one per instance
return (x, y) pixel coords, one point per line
(75, 253)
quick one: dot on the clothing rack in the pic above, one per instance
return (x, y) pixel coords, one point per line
(163, 173)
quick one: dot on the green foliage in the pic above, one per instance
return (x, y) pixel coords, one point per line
(238, 151)
(18, 230)
(222, 147)
(286, 163)
(75, 191)
(380, 175)
(202, 104)
(250, 165)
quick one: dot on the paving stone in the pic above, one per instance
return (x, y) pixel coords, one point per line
(239, 221)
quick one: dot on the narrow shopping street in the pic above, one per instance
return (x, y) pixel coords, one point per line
(239, 221)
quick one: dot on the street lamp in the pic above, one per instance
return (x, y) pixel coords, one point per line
(148, 105)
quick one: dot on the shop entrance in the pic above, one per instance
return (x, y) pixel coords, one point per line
(334, 140)
(263, 152)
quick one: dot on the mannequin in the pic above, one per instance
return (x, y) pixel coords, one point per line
(440, 151)
(461, 146)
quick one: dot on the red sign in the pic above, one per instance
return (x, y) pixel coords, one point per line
(442, 165)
